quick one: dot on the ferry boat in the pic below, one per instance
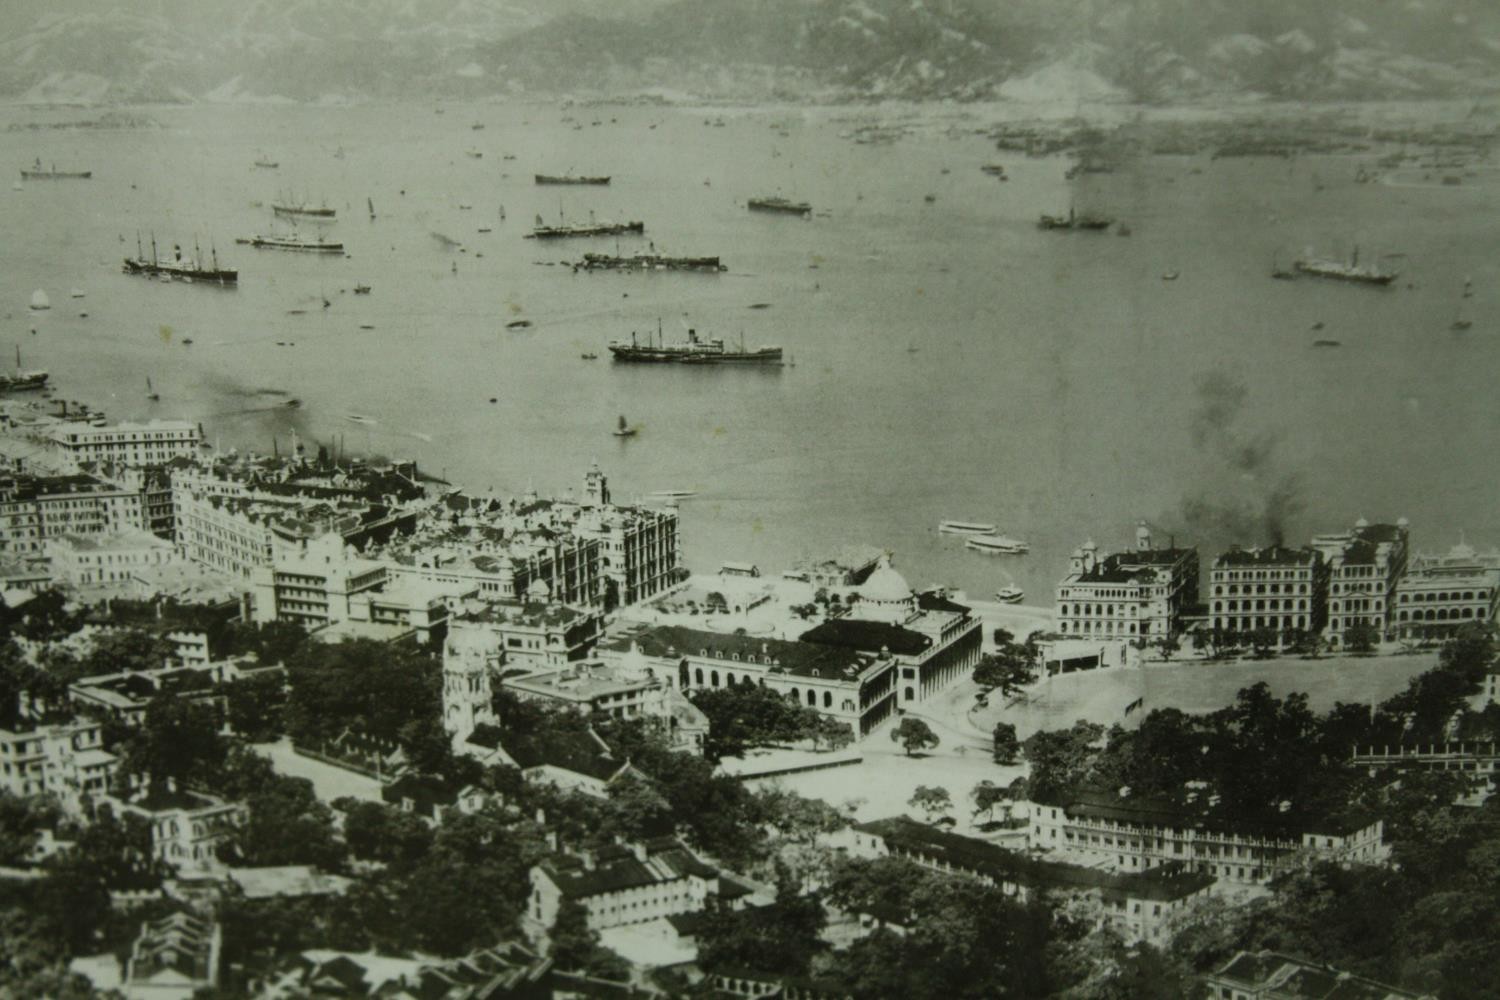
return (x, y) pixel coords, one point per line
(590, 228)
(569, 179)
(1075, 221)
(996, 543)
(38, 173)
(294, 242)
(1009, 595)
(692, 351)
(302, 211)
(966, 528)
(648, 262)
(180, 267)
(779, 204)
(1322, 267)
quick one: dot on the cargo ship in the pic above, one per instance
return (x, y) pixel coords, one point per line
(785, 205)
(178, 267)
(569, 179)
(1321, 267)
(590, 228)
(293, 242)
(692, 351)
(302, 211)
(648, 262)
(38, 173)
(1074, 221)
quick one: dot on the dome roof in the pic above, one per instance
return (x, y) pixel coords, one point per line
(539, 590)
(1361, 523)
(885, 585)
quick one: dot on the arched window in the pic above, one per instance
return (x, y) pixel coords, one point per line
(699, 673)
(827, 699)
(812, 698)
(713, 679)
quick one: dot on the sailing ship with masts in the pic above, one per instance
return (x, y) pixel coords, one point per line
(178, 267)
(22, 380)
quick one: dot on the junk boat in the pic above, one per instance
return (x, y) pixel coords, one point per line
(996, 543)
(965, 528)
(187, 269)
(1322, 267)
(590, 228)
(1075, 221)
(693, 351)
(22, 380)
(38, 173)
(648, 262)
(569, 179)
(302, 211)
(304, 244)
(1009, 595)
(779, 204)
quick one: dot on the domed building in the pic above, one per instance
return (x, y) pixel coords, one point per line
(885, 596)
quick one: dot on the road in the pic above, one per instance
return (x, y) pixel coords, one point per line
(328, 782)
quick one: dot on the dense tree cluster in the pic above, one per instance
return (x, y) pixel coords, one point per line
(745, 716)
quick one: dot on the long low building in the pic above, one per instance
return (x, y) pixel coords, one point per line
(1269, 975)
(1137, 833)
(1140, 905)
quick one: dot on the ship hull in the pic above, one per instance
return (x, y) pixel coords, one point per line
(23, 382)
(293, 212)
(565, 232)
(272, 244)
(182, 273)
(56, 175)
(1334, 273)
(648, 355)
(785, 208)
(551, 179)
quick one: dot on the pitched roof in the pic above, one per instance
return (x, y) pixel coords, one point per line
(579, 751)
(867, 636)
(793, 657)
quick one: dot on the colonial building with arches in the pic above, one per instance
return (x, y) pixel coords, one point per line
(1441, 594)
(1139, 594)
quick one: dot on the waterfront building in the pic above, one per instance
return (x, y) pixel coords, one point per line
(1365, 564)
(153, 443)
(1439, 594)
(849, 567)
(1275, 588)
(620, 885)
(1139, 594)
(1269, 975)
(1137, 833)
(84, 561)
(1141, 905)
(65, 760)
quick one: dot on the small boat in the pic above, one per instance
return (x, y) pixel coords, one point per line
(186, 341)
(518, 324)
(779, 204)
(1318, 325)
(1009, 595)
(39, 173)
(370, 203)
(367, 326)
(1460, 324)
(294, 211)
(360, 418)
(151, 393)
(966, 528)
(361, 289)
(1326, 342)
(39, 300)
(760, 305)
(589, 356)
(266, 163)
(996, 543)
(674, 494)
(929, 198)
(476, 154)
(76, 293)
(624, 430)
(1169, 276)
(569, 179)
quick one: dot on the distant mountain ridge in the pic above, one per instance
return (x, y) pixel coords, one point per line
(1152, 50)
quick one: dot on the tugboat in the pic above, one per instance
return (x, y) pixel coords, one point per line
(179, 267)
(37, 173)
(293, 242)
(590, 228)
(779, 204)
(569, 179)
(648, 262)
(692, 351)
(1364, 274)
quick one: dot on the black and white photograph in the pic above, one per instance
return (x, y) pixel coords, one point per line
(749, 499)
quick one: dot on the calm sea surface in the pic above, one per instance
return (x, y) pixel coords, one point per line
(951, 361)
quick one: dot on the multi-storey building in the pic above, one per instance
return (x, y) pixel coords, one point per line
(1137, 833)
(66, 760)
(640, 551)
(1273, 588)
(187, 828)
(527, 565)
(34, 509)
(231, 535)
(314, 585)
(532, 636)
(1364, 566)
(93, 560)
(153, 443)
(629, 885)
(1140, 594)
(1142, 905)
(1440, 594)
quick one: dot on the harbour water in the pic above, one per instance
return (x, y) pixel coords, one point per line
(950, 360)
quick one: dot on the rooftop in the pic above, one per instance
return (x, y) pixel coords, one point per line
(1204, 814)
(1272, 555)
(1286, 976)
(868, 636)
(795, 657)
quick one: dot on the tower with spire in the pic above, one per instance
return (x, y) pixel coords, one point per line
(468, 657)
(596, 486)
